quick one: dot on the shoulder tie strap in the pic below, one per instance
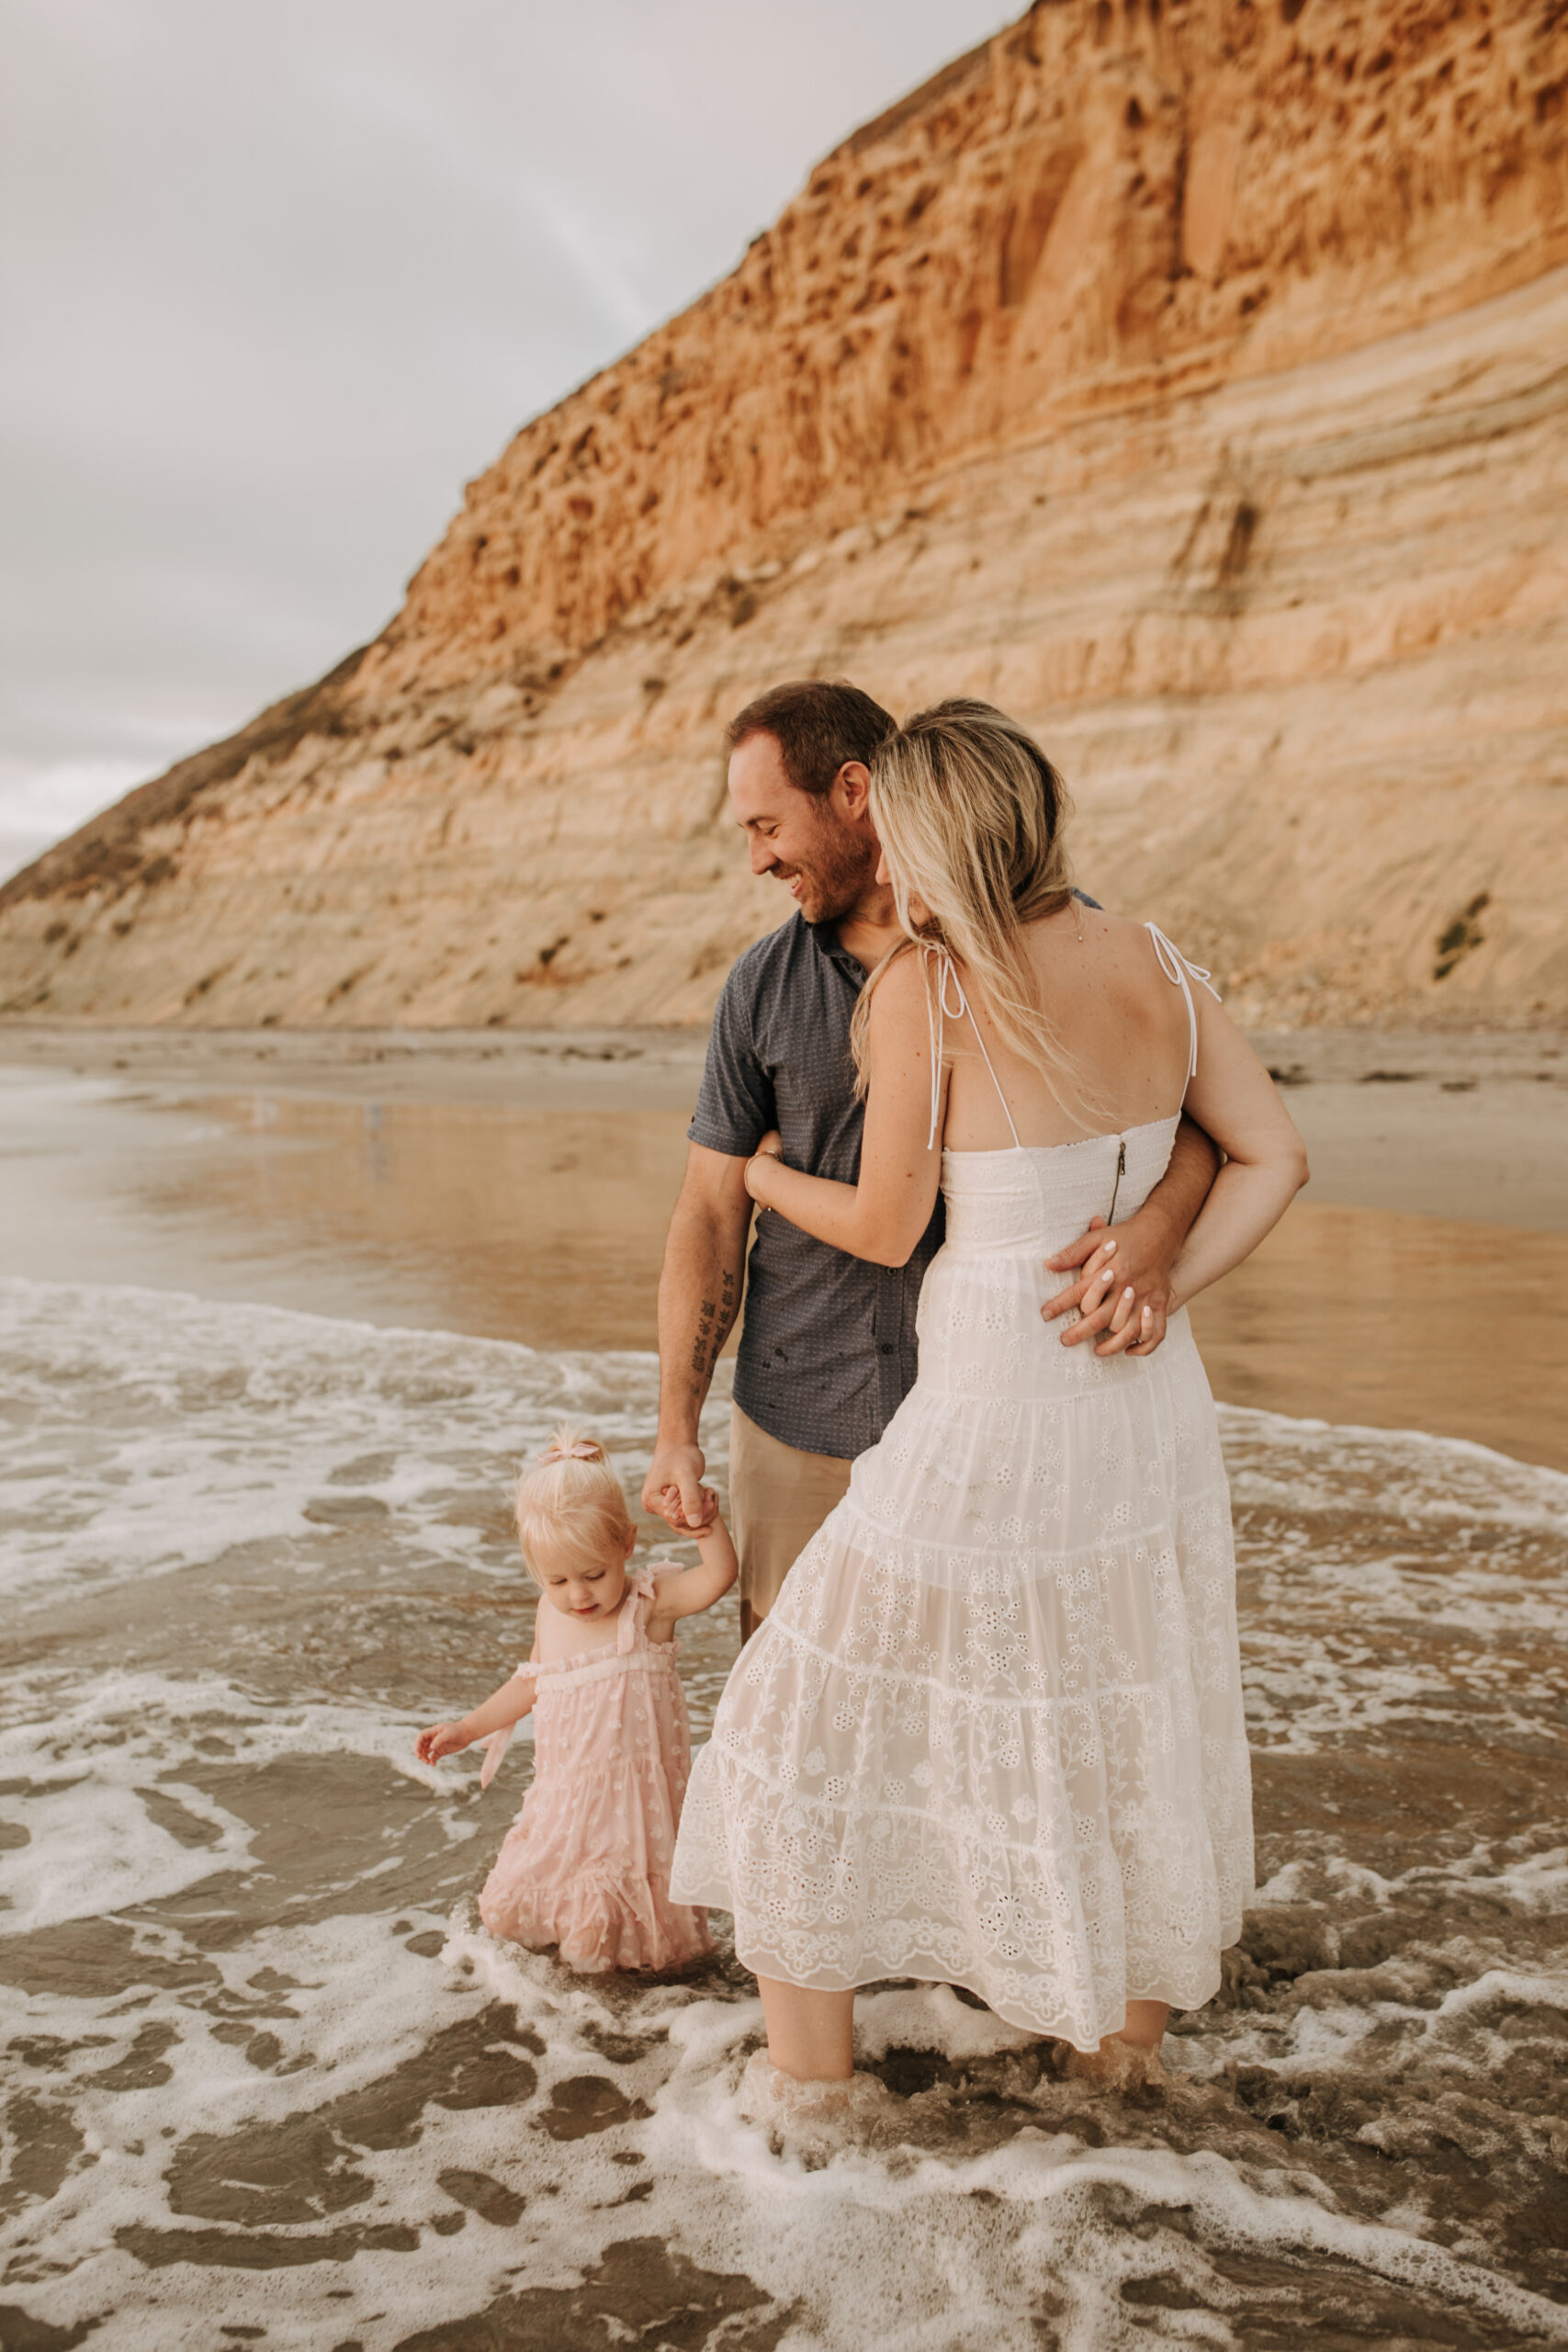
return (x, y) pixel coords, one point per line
(638, 1593)
(947, 976)
(497, 1744)
(1176, 967)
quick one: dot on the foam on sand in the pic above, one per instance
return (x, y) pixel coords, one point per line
(267, 2072)
(152, 1430)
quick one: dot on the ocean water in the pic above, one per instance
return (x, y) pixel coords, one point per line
(267, 2081)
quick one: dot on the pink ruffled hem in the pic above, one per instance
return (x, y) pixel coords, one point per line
(600, 1920)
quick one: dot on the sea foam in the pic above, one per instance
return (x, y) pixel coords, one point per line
(267, 2072)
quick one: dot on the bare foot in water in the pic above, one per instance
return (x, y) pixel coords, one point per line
(816, 2120)
(1120, 2065)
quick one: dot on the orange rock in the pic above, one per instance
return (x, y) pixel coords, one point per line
(1188, 377)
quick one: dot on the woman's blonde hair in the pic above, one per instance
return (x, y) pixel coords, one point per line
(568, 1497)
(971, 815)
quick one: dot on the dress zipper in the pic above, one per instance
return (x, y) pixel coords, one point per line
(1121, 1172)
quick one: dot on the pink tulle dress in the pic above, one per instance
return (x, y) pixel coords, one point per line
(587, 1865)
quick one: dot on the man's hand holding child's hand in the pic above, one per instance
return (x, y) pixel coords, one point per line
(674, 1511)
(673, 1489)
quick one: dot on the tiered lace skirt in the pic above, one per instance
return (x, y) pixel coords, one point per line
(992, 1732)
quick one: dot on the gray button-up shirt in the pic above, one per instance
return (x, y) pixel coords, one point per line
(827, 1347)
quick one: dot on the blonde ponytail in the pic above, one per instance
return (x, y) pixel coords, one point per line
(569, 1498)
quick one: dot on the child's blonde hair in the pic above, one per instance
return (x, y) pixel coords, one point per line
(570, 1498)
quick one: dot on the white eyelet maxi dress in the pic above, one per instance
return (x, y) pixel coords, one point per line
(991, 1732)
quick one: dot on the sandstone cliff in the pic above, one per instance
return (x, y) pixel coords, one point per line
(1190, 376)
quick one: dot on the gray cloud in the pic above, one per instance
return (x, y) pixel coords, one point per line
(277, 280)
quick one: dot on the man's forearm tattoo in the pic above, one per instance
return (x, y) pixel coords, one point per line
(714, 1316)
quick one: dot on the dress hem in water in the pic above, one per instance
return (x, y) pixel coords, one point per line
(918, 1962)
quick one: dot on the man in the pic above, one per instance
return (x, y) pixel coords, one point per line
(828, 1348)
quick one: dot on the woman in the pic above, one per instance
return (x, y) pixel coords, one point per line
(992, 1731)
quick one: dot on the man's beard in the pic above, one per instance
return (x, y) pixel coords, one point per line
(835, 875)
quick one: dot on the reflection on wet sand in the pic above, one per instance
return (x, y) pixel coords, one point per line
(545, 1226)
(1400, 1322)
(548, 1225)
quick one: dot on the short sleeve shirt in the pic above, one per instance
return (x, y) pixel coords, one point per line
(828, 1349)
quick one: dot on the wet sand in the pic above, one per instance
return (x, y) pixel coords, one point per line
(1366, 1315)
(519, 1188)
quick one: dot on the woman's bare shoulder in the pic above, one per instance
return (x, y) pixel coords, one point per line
(1111, 955)
(900, 992)
(1124, 933)
(1091, 937)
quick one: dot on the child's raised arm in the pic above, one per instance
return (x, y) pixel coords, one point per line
(500, 1711)
(689, 1589)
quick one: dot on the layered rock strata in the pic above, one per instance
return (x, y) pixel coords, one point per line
(1192, 378)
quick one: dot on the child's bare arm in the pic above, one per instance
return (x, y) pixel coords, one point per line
(500, 1711)
(693, 1588)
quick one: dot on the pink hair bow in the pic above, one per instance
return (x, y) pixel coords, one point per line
(581, 1448)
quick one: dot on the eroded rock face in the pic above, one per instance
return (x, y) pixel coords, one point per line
(1188, 379)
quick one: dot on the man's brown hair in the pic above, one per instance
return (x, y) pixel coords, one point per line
(817, 724)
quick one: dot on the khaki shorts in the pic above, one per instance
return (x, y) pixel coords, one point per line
(778, 1499)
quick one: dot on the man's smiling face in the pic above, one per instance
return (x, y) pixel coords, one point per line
(825, 854)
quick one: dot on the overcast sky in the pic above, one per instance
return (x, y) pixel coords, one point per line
(276, 279)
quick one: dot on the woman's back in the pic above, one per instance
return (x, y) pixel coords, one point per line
(1116, 1015)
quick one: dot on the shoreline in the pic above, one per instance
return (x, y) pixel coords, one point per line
(1466, 1125)
(521, 1189)
(538, 1069)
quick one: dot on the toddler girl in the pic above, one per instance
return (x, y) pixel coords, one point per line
(587, 1865)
